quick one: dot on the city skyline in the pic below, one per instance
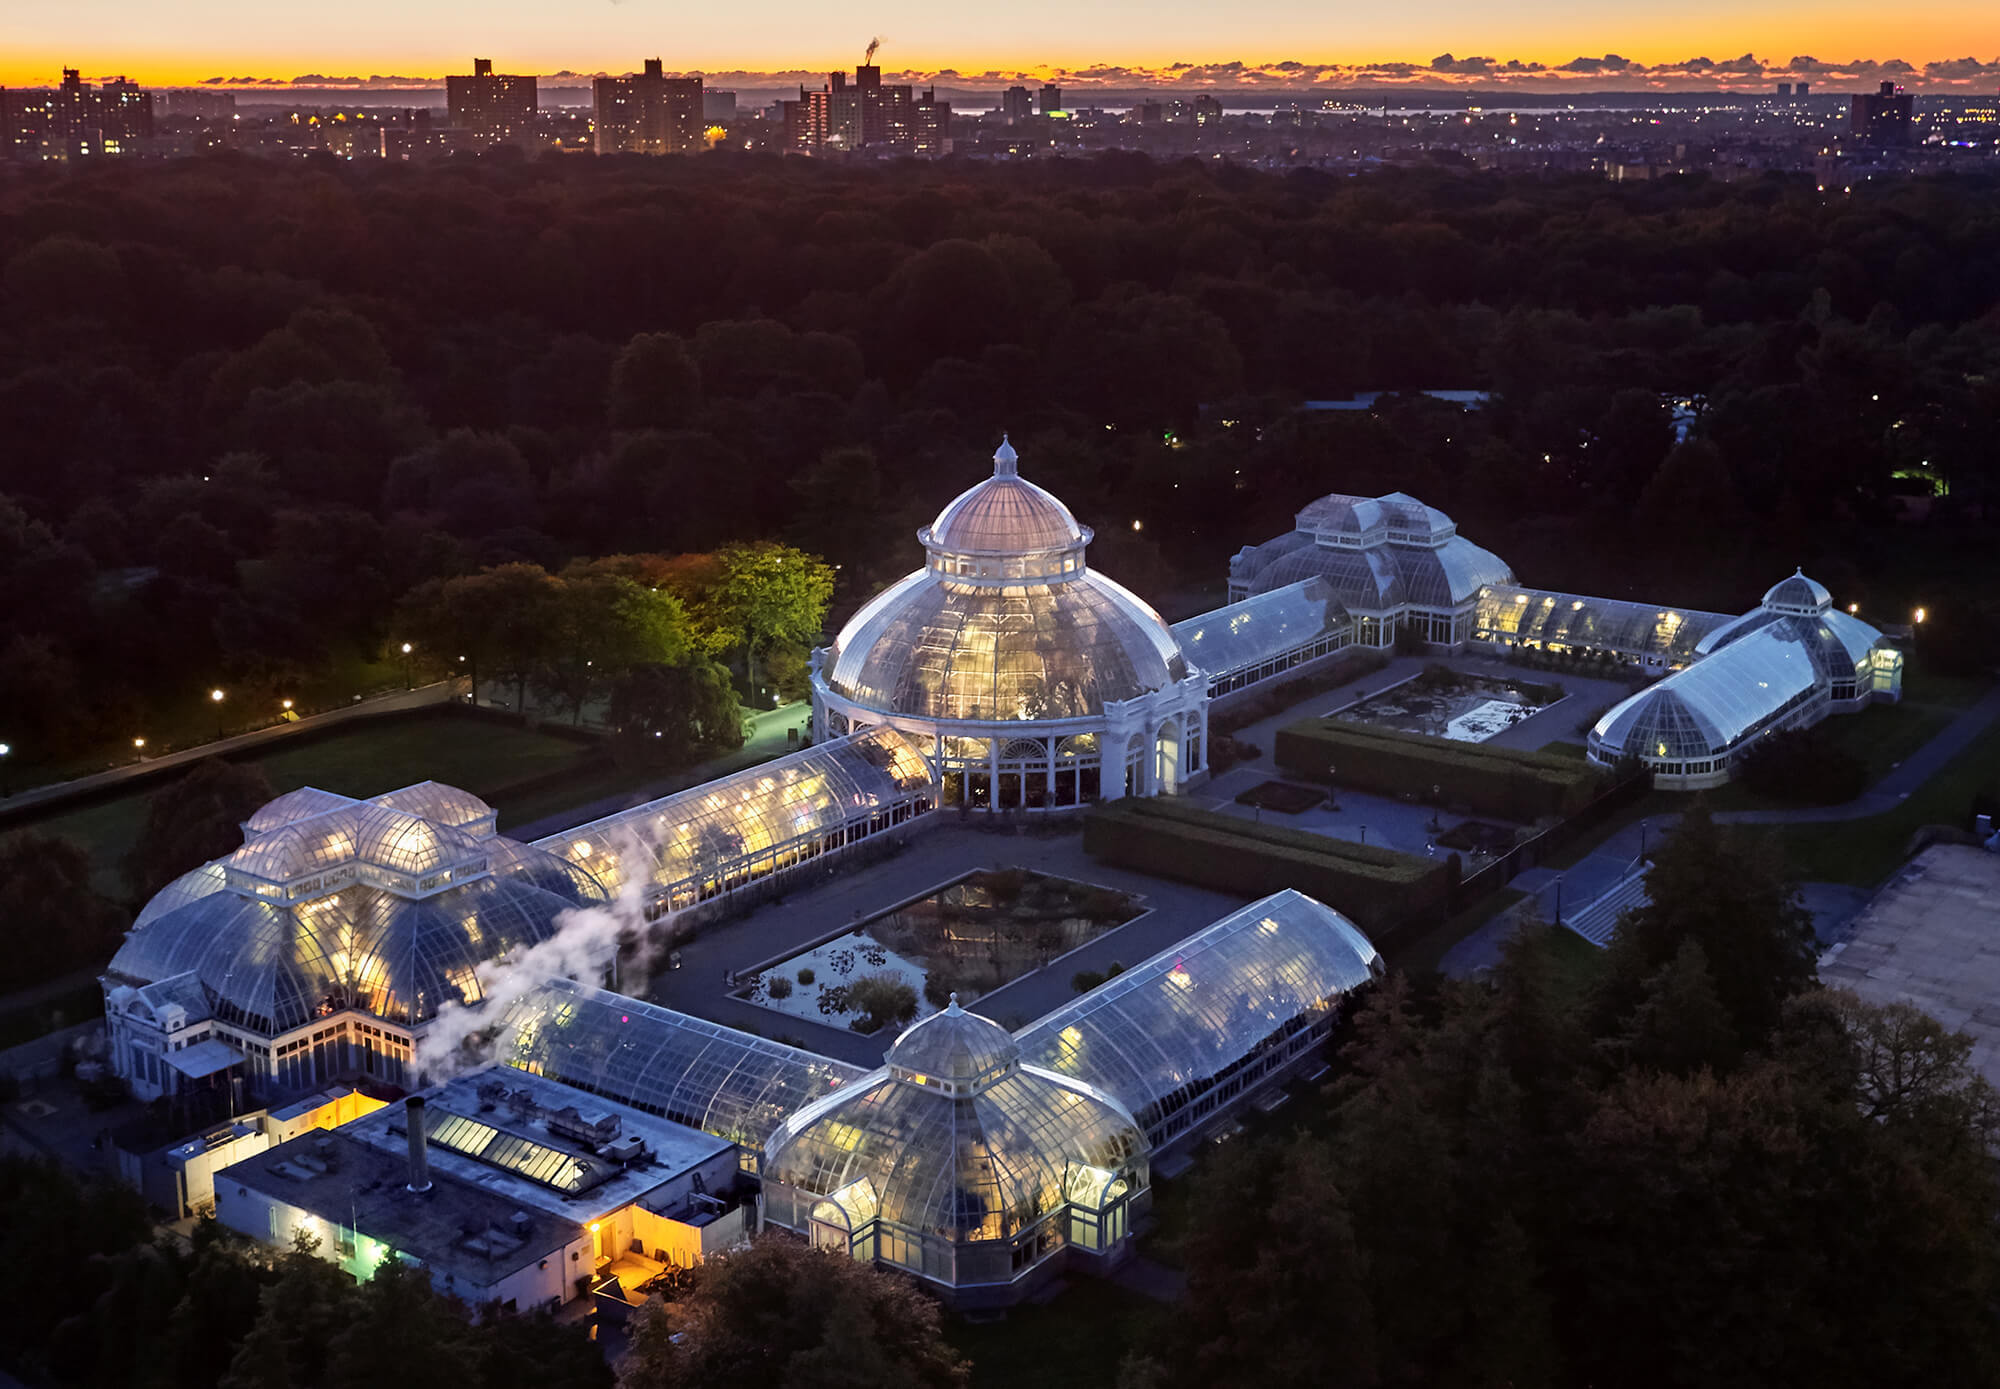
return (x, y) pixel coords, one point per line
(1546, 44)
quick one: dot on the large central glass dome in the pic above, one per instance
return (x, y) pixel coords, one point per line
(1005, 622)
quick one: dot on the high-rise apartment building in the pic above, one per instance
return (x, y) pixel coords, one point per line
(76, 120)
(718, 108)
(492, 108)
(1881, 117)
(1049, 100)
(864, 115)
(193, 103)
(1016, 105)
(648, 113)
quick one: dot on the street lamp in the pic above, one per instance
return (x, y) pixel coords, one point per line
(1920, 615)
(408, 682)
(215, 698)
(6, 787)
(1559, 899)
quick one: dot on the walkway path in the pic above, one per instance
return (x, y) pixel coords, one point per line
(59, 791)
(1832, 904)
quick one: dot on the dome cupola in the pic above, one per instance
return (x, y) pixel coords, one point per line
(956, 1052)
(1005, 530)
(1798, 596)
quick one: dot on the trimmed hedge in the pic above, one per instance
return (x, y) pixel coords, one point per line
(1503, 782)
(1379, 889)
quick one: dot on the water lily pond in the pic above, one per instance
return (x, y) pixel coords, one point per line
(968, 937)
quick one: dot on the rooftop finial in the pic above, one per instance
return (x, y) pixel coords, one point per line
(1005, 460)
(952, 1007)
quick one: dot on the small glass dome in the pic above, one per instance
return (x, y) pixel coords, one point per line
(954, 1051)
(980, 1165)
(1798, 596)
(1004, 515)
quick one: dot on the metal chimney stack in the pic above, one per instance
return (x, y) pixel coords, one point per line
(420, 1161)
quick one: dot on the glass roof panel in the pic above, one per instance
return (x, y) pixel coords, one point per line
(707, 829)
(1708, 708)
(728, 1083)
(1153, 1036)
(937, 649)
(1568, 619)
(1263, 627)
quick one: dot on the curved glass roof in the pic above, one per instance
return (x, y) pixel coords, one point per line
(334, 903)
(955, 1049)
(938, 649)
(1798, 596)
(696, 834)
(1363, 580)
(1260, 628)
(443, 805)
(191, 886)
(697, 1073)
(965, 1169)
(273, 966)
(1004, 515)
(1448, 574)
(1844, 642)
(1708, 708)
(1568, 619)
(1155, 1036)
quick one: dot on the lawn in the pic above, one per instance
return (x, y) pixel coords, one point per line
(364, 761)
(1881, 736)
(1865, 851)
(1923, 686)
(1424, 953)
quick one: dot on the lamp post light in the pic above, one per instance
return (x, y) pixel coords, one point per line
(215, 697)
(138, 749)
(6, 786)
(409, 683)
(1559, 899)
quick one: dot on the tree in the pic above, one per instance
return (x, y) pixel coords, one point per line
(671, 715)
(769, 593)
(501, 620)
(55, 919)
(783, 1314)
(193, 820)
(604, 627)
(655, 383)
(1733, 898)
(1276, 1292)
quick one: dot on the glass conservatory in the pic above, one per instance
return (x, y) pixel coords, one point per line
(328, 941)
(728, 1083)
(1197, 1027)
(961, 1164)
(1027, 678)
(1265, 636)
(1788, 664)
(1392, 561)
(753, 827)
(1650, 636)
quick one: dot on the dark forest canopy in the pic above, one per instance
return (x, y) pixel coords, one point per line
(287, 394)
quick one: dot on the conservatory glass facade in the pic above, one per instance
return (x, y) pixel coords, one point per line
(1787, 665)
(1257, 638)
(1029, 680)
(1200, 1024)
(1392, 561)
(728, 1083)
(960, 1164)
(328, 941)
(1646, 634)
(713, 840)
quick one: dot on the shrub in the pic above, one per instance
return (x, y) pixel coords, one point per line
(806, 976)
(1084, 980)
(777, 986)
(1514, 785)
(1803, 766)
(1378, 888)
(880, 999)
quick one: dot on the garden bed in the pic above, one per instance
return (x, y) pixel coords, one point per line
(1285, 797)
(1444, 703)
(969, 938)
